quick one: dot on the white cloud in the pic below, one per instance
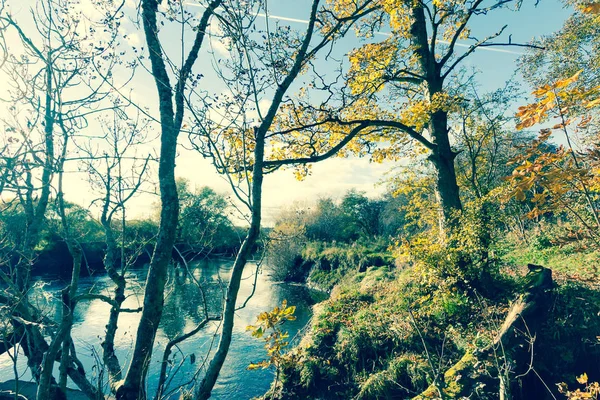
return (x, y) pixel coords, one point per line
(218, 43)
(133, 38)
(333, 177)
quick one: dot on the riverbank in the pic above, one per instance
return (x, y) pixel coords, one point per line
(321, 266)
(388, 332)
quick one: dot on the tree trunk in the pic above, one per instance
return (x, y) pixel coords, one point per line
(34, 346)
(46, 384)
(508, 347)
(134, 385)
(214, 368)
(68, 309)
(110, 261)
(46, 387)
(171, 120)
(442, 158)
(108, 344)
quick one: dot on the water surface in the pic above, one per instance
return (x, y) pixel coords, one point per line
(183, 311)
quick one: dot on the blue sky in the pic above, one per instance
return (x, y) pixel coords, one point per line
(496, 64)
(332, 177)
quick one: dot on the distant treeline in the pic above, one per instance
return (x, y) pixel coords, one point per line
(353, 217)
(204, 230)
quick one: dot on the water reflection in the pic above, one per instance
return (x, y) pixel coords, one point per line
(183, 311)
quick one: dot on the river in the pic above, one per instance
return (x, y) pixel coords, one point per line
(183, 311)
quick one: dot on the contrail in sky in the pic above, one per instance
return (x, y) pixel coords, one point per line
(300, 21)
(304, 21)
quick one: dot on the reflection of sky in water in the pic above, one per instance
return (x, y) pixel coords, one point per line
(183, 311)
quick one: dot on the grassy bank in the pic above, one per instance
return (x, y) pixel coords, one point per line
(565, 261)
(387, 333)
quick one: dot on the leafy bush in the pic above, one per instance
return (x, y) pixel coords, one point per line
(332, 264)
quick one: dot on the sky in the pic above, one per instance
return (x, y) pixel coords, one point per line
(335, 176)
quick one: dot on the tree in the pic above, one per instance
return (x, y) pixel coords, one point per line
(62, 341)
(414, 186)
(574, 47)
(203, 223)
(116, 174)
(563, 180)
(485, 140)
(171, 108)
(263, 67)
(405, 89)
(52, 92)
(364, 213)
(327, 222)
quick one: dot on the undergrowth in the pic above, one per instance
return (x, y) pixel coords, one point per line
(416, 328)
(390, 332)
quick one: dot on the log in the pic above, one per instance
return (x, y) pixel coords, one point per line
(511, 346)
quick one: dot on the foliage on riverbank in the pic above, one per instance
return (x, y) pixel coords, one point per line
(407, 316)
(322, 243)
(386, 333)
(391, 330)
(322, 266)
(329, 265)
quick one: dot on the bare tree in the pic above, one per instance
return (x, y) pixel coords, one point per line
(61, 342)
(51, 94)
(171, 108)
(117, 172)
(242, 142)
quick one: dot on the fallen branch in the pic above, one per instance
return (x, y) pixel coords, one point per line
(519, 326)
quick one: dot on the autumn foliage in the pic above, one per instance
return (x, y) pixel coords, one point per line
(564, 178)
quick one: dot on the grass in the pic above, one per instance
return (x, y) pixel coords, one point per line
(363, 342)
(578, 265)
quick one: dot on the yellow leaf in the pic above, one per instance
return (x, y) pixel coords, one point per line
(593, 103)
(591, 8)
(541, 91)
(582, 379)
(289, 310)
(566, 82)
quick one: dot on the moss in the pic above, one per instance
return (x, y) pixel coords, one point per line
(455, 377)
(457, 383)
